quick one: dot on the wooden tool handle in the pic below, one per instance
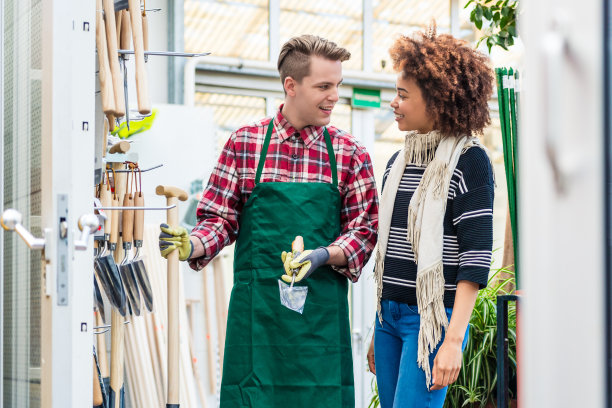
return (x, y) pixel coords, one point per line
(118, 23)
(117, 353)
(114, 232)
(120, 147)
(104, 72)
(144, 104)
(142, 91)
(138, 216)
(111, 40)
(145, 31)
(97, 390)
(170, 191)
(173, 194)
(298, 244)
(124, 39)
(105, 200)
(101, 349)
(127, 222)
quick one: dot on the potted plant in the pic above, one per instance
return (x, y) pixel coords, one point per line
(476, 385)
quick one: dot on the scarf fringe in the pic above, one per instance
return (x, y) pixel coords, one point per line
(434, 321)
(379, 266)
(419, 149)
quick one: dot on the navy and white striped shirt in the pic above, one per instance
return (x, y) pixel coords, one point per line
(468, 229)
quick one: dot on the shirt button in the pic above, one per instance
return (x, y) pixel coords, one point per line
(294, 156)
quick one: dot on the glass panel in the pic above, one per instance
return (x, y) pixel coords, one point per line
(392, 18)
(21, 119)
(230, 112)
(229, 29)
(339, 21)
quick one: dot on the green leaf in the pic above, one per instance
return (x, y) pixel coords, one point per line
(487, 13)
(468, 3)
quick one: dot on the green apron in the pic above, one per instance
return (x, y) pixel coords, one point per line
(274, 356)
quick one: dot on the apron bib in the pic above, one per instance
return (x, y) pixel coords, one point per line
(276, 357)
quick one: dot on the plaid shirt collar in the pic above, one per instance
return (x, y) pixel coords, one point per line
(285, 130)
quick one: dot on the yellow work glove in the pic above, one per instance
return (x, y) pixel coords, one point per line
(287, 257)
(175, 238)
(305, 264)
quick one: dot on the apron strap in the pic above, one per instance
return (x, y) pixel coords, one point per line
(328, 143)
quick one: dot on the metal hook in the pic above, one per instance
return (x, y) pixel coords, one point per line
(142, 171)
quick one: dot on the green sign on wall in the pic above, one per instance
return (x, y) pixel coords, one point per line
(365, 98)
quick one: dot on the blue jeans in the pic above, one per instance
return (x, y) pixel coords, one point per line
(401, 383)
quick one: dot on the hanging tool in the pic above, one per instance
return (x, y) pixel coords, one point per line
(145, 29)
(98, 397)
(144, 104)
(138, 124)
(116, 393)
(125, 268)
(137, 262)
(104, 265)
(173, 194)
(104, 71)
(102, 359)
(124, 42)
(111, 40)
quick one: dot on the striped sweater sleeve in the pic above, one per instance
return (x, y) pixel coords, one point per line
(472, 216)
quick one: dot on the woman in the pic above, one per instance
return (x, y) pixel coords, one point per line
(435, 220)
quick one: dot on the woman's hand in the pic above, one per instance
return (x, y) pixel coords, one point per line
(371, 364)
(447, 364)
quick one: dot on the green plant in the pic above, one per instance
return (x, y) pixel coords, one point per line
(375, 401)
(500, 18)
(478, 377)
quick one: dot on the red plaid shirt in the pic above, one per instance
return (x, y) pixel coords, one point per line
(293, 156)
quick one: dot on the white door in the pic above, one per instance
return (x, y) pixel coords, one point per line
(562, 187)
(47, 91)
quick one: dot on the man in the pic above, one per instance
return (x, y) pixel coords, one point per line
(277, 178)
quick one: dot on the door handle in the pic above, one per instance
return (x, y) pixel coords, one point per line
(88, 224)
(11, 221)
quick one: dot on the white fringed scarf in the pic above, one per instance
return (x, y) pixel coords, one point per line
(425, 228)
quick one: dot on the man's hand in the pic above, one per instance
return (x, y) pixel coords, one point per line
(305, 264)
(371, 363)
(175, 238)
(287, 257)
(447, 365)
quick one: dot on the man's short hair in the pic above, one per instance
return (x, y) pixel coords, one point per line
(294, 57)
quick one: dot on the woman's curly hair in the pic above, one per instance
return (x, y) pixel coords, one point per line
(456, 80)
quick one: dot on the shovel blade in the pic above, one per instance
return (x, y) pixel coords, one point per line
(98, 299)
(143, 283)
(116, 292)
(131, 287)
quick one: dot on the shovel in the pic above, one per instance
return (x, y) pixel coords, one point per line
(105, 266)
(125, 268)
(173, 194)
(294, 297)
(137, 263)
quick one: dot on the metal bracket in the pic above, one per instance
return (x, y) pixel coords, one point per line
(63, 252)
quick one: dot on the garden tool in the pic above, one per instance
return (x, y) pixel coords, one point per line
(291, 297)
(145, 30)
(111, 40)
(105, 266)
(98, 298)
(137, 263)
(124, 41)
(125, 268)
(173, 194)
(102, 358)
(116, 392)
(142, 92)
(104, 71)
(98, 397)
